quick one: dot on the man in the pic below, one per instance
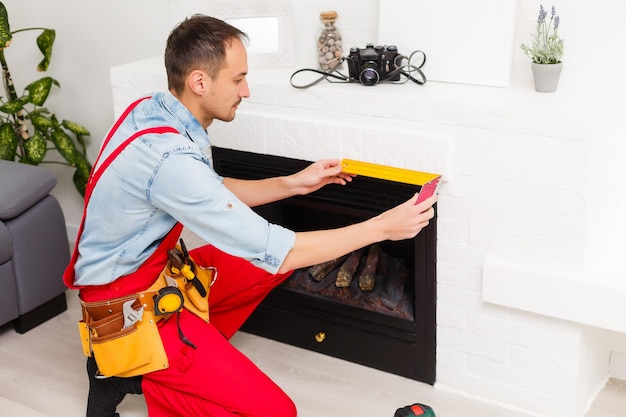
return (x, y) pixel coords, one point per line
(145, 185)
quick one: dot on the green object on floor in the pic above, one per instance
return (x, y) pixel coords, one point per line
(416, 409)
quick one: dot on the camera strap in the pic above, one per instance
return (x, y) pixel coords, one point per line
(334, 76)
(410, 67)
(325, 75)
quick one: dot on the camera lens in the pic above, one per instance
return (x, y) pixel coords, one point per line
(369, 74)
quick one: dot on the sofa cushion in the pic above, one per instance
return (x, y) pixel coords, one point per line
(22, 186)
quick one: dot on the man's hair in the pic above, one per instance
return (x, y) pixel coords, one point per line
(198, 42)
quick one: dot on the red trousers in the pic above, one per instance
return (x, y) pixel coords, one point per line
(215, 379)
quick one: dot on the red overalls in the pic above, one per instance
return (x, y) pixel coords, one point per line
(214, 379)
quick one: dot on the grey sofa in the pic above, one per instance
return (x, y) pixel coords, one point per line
(34, 248)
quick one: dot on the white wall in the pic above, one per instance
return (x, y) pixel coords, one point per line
(91, 37)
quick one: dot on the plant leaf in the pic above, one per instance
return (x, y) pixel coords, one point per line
(65, 145)
(45, 41)
(8, 142)
(43, 123)
(80, 132)
(38, 90)
(81, 175)
(5, 29)
(75, 128)
(12, 107)
(36, 148)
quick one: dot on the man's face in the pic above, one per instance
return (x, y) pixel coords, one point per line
(230, 86)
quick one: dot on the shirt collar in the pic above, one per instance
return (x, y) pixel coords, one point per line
(187, 121)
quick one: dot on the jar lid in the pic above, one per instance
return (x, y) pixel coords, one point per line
(328, 15)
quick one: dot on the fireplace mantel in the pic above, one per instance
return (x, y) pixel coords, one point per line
(474, 106)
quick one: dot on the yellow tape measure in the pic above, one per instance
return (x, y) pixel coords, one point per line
(385, 172)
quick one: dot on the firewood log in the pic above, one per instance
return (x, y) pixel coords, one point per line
(367, 279)
(319, 271)
(347, 269)
(321, 287)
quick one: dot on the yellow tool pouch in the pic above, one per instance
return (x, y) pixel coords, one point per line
(133, 351)
(196, 300)
(122, 333)
(120, 351)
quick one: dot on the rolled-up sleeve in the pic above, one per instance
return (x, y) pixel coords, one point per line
(279, 242)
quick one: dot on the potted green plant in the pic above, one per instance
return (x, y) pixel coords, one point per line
(546, 51)
(27, 129)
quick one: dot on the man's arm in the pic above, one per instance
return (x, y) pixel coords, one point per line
(401, 222)
(257, 192)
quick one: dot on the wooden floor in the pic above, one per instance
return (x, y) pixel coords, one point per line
(42, 375)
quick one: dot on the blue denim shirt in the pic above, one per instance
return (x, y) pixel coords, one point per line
(159, 180)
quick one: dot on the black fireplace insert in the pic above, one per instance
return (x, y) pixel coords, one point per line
(384, 314)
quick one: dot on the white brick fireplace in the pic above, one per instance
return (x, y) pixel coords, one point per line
(530, 226)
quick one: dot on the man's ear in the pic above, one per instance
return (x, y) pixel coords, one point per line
(198, 82)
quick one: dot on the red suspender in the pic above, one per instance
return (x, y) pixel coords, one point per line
(68, 276)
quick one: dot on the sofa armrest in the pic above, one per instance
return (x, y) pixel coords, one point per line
(22, 186)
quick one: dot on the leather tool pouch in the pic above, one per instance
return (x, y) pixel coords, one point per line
(129, 352)
(195, 302)
(138, 349)
(121, 352)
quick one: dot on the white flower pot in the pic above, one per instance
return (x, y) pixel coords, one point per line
(546, 76)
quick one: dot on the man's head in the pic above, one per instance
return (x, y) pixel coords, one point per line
(206, 65)
(198, 42)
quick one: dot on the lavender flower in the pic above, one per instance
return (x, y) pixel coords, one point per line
(542, 15)
(547, 46)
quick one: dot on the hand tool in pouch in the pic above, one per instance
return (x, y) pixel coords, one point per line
(170, 299)
(181, 264)
(131, 316)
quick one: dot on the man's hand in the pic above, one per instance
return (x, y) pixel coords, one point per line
(319, 174)
(315, 176)
(407, 219)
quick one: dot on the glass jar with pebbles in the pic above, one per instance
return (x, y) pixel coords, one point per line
(329, 43)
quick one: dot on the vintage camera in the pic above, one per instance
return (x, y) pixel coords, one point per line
(373, 64)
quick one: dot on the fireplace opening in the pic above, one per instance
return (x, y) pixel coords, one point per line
(370, 278)
(375, 307)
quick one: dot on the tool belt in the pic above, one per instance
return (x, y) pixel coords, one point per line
(122, 333)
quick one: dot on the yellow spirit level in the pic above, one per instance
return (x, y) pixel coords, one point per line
(384, 172)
